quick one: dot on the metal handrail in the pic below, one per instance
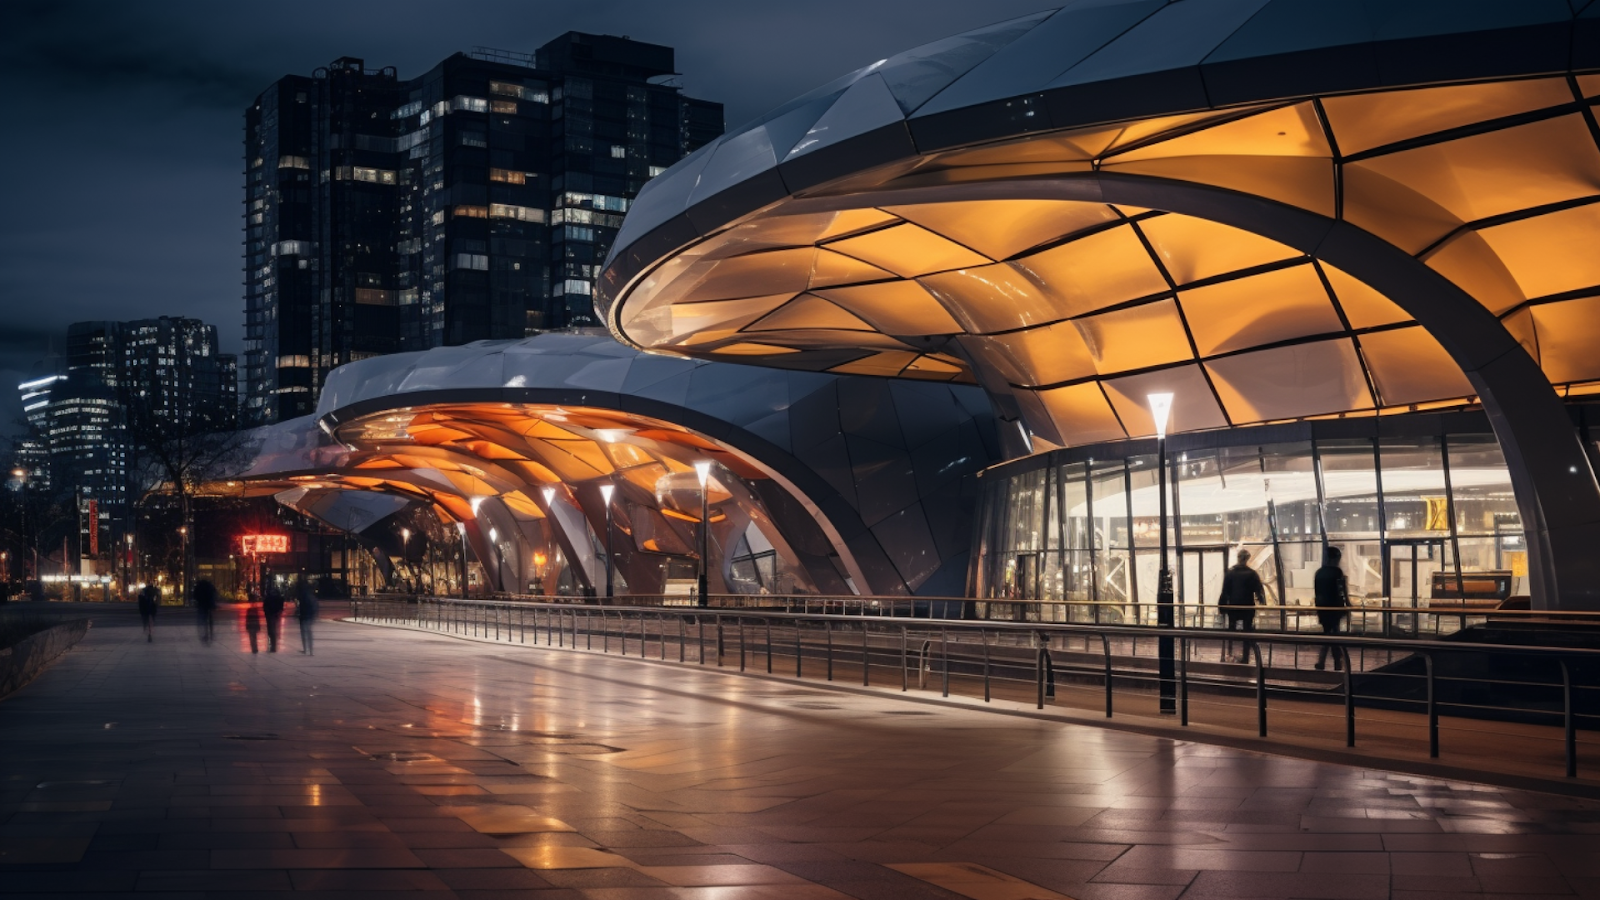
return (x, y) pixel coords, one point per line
(484, 618)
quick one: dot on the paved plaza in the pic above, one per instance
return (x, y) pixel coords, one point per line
(416, 763)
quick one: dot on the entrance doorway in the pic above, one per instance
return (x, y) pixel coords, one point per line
(1408, 567)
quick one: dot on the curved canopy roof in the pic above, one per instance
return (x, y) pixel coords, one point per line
(863, 477)
(949, 213)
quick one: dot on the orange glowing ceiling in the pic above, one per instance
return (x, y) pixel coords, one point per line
(1083, 308)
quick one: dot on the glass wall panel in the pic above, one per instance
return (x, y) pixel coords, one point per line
(1488, 524)
(1086, 534)
(1353, 520)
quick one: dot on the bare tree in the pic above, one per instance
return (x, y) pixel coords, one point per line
(173, 451)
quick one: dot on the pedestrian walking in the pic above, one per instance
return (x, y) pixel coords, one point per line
(205, 605)
(1332, 597)
(252, 625)
(149, 602)
(272, 612)
(306, 609)
(1241, 593)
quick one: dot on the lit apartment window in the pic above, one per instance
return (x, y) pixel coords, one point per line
(520, 213)
(618, 151)
(508, 176)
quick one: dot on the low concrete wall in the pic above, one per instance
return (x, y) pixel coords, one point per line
(23, 661)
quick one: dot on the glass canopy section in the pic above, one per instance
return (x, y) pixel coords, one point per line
(1080, 309)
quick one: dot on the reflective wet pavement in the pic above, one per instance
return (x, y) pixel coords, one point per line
(416, 763)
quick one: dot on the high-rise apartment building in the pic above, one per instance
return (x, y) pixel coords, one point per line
(475, 201)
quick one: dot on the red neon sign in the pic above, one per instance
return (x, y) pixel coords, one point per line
(263, 543)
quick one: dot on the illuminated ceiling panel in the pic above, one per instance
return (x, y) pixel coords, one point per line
(1494, 185)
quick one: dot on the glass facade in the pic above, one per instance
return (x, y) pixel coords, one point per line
(1419, 497)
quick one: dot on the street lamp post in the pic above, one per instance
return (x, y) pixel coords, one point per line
(405, 547)
(183, 547)
(462, 527)
(549, 493)
(1160, 411)
(702, 470)
(21, 475)
(605, 495)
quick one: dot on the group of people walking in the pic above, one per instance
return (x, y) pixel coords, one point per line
(263, 613)
(1242, 593)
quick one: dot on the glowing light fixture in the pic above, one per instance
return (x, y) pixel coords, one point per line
(606, 491)
(1161, 411)
(549, 496)
(702, 470)
(476, 502)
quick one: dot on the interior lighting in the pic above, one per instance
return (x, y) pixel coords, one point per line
(606, 491)
(702, 470)
(549, 496)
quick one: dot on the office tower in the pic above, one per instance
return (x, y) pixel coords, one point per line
(166, 372)
(476, 201)
(170, 370)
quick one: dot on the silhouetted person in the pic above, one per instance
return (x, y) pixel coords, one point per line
(306, 609)
(272, 611)
(205, 605)
(1241, 592)
(1332, 597)
(252, 626)
(149, 602)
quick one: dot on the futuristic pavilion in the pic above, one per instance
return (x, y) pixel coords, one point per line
(1354, 241)
(555, 454)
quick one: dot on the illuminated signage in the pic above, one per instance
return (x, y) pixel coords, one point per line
(264, 543)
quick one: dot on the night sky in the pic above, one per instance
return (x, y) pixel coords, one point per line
(120, 171)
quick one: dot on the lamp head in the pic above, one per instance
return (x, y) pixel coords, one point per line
(494, 535)
(702, 471)
(1160, 411)
(549, 495)
(606, 491)
(405, 534)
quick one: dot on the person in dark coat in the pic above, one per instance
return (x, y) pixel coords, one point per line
(252, 625)
(1332, 597)
(272, 611)
(205, 605)
(1241, 593)
(149, 602)
(306, 609)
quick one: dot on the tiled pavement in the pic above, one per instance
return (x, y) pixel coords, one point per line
(395, 761)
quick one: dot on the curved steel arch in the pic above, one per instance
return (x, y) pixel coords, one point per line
(1557, 492)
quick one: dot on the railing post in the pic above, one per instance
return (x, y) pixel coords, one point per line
(1568, 722)
(983, 636)
(1105, 646)
(1261, 693)
(1349, 703)
(741, 643)
(700, 638)
(1433, 710)
(1183, 682)
(944, 650)
(769, 645)
(1038, 672)
(905, 658)
(718, 623)
(866, 658)
(644, 635)
(683, 640)
(827, 630)
(797, 669)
